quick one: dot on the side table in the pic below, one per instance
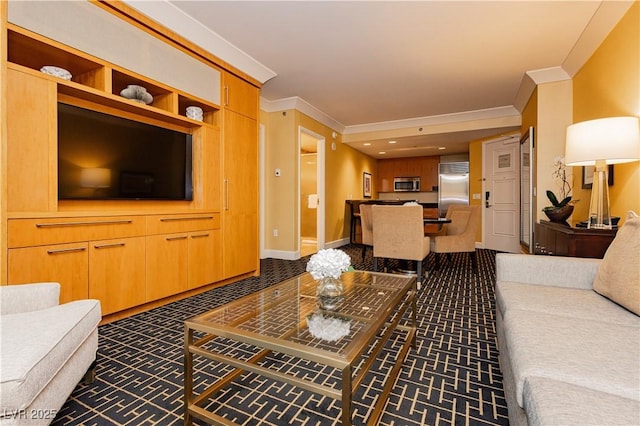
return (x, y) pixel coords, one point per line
(557, 239)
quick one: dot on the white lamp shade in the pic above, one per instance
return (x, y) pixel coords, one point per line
(614, 139)
(95, 178)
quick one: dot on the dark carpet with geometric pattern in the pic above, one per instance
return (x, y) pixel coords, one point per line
(451, 378)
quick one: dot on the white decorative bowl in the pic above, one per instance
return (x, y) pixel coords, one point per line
(195, 113)
(137, 93)
(56, 72)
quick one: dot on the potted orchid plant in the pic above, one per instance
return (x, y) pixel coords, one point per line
(561, 207)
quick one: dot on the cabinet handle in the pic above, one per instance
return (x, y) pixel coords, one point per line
(69, 250)
(226, 95)
(176, 219)
(226, 194)
(200, 235)
(102, 246)
(61, 224)
(181, 237)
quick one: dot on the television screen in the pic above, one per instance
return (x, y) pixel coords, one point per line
(104, 157)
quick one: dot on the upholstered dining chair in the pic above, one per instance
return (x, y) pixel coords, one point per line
(367, 227)
(458, 236)
(398, 233)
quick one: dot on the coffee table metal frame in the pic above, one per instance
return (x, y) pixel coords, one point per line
(375, 304)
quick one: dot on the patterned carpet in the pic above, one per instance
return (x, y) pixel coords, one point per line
(452, 378)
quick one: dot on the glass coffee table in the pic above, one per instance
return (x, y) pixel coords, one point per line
(285, 318)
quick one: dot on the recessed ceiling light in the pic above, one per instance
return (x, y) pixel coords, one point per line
(441, 147)
(382, 152)
(367, 144)
(392, 141)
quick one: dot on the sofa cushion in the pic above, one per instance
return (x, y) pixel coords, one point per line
(589, 353)
(576, 303)
(550, 402)
(618, 276)
(39, 343)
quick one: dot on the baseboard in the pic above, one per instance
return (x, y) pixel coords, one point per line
(281, 254)
(295, 254)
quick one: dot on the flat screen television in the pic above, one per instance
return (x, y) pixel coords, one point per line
(104, 157)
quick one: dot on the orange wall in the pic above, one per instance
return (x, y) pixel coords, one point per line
(608, 85)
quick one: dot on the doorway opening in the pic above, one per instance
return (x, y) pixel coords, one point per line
(311, 192)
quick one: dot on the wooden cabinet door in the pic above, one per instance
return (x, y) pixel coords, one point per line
(116, 273)
(31, 143)
(166, 265)
(240, 96)
(205, 258)
(209, 162)
(385, 176)
(429, 173)
(240, 195)
(66, 264)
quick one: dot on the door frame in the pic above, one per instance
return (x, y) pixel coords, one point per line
(262, 179)
(320, 214)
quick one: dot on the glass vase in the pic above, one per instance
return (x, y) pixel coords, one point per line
(329, 292)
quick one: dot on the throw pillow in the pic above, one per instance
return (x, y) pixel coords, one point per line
(618, 276)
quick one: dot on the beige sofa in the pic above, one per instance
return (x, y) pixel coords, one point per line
(47, 348)
(569, 355)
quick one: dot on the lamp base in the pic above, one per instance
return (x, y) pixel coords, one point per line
(599, 216)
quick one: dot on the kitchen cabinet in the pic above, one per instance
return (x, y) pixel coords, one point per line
(431, 213)
(424, 167)
(429, 173)
(385, 175)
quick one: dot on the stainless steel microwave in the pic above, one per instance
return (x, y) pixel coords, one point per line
(406, 184)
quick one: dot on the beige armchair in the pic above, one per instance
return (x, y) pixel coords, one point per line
(398, 233)
(459, 235)
(47, 348)
(367, 227)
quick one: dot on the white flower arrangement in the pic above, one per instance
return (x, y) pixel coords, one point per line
(328, 263)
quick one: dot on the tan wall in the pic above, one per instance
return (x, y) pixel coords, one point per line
(280, 192)
(475, 177)
(344, 167)
(608, 85)
(554, 101)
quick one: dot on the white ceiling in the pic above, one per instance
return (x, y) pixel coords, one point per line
(427, 74)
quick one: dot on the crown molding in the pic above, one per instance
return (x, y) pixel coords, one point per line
(304, 107)
(435, 120)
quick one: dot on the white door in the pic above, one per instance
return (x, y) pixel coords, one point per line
(501, 195)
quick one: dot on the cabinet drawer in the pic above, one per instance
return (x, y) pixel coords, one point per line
(35, 232)
(167, 224)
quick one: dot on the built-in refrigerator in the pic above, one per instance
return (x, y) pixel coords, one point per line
(453, 185)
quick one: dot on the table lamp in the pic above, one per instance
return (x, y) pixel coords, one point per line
(598, 143)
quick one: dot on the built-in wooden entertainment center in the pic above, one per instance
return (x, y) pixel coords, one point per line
(129, 254)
